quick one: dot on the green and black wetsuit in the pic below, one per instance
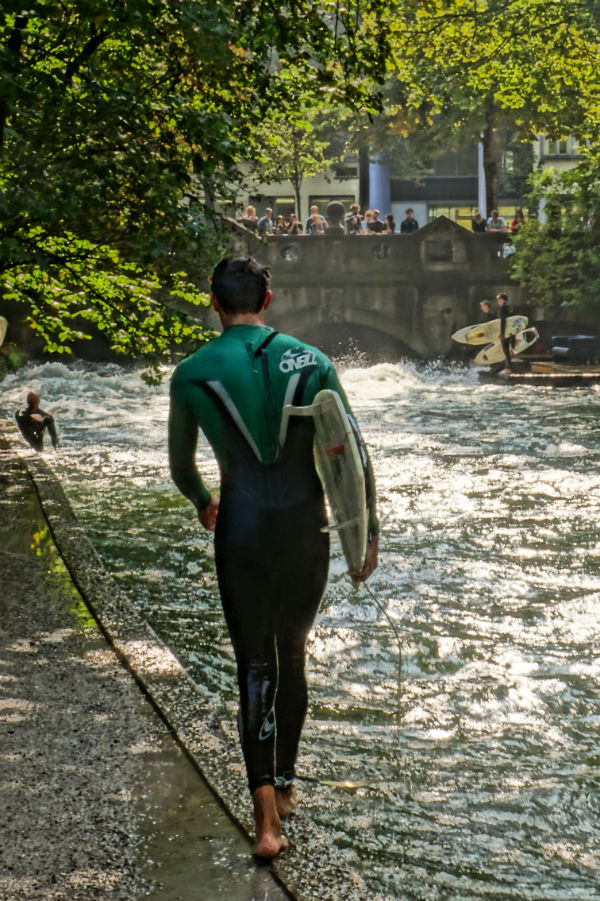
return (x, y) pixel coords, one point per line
(32, 421)
(271, 556)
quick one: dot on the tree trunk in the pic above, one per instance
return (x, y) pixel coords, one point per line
(490, 167)
(296, 181)
(13, 45)
(298, 205)
(363, 178)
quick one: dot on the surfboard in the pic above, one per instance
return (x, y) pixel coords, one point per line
(339, 465)
(486, 332)
(493, 353)
(3, 328)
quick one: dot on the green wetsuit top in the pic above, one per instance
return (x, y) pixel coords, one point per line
(252, 372)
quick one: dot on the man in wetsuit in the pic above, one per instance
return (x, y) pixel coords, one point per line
(32, 421)
(504, 311)
(271, 555)
(486, 311)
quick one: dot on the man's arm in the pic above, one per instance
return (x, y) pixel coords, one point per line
(183, 440)
(52, 430)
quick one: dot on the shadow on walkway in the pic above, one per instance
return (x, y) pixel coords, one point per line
(98, 801)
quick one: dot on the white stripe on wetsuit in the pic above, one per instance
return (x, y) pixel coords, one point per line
(235, 414)
(289, 396)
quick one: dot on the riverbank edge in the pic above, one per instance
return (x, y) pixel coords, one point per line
(309, 868)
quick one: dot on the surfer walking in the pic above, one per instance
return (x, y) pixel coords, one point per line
(271, 554)
(33, 421)
(504, 311)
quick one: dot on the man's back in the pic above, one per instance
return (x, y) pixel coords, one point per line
(235, 389)
(32, 423)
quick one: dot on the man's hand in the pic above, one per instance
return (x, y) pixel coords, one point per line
(208, 515)
(370, 561)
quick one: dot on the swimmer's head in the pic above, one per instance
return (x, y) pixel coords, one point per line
(33, 399)
(240, 285)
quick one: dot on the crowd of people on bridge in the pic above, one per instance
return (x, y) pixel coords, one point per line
(355, 222)
(497, 224)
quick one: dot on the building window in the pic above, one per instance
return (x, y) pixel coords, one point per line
(322, 201)
(462, 215)
(456, 162)
(345, 170)
(283, 206)
(558, 148)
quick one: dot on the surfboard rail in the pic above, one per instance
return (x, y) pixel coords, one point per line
(339, 466)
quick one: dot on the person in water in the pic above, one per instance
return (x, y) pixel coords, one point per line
(271, 556)
(32, 421)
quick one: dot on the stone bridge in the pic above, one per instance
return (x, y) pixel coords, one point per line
(387, 296)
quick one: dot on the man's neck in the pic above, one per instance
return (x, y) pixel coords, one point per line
(229, 319)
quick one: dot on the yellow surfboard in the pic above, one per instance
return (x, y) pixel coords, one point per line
(486, 332)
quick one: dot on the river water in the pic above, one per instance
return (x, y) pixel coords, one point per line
(452, 747)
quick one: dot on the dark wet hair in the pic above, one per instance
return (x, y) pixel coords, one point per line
(240, 285)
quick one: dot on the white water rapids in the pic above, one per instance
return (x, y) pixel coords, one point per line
(479, 775)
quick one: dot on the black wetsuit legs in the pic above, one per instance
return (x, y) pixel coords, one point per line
(272, 568)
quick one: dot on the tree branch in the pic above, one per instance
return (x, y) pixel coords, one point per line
(13, 45)
(97, 38)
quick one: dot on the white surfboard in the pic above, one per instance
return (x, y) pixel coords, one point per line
(485, 332)
(3, 328)
(339, 466)
(493, 353)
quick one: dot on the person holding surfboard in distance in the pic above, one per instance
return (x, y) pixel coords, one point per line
(486, 311)
(505, 311)
(271, 552)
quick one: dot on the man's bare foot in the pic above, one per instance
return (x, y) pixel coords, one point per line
(267, 825)
(286, 801)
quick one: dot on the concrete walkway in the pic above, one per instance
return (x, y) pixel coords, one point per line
(97, 799)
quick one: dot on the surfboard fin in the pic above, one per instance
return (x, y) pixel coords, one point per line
(340, 525)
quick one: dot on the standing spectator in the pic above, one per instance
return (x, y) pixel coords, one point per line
(266, 224)
(354, 224)
(309, 222)
(390, 225)
(281, 226)
(376, 225)
(317, 226)
(478, 223)
(354, 213)
(366, 221)
(517, 221)
(496, 224)
(294, 227)
(410, 224)
(249, 220)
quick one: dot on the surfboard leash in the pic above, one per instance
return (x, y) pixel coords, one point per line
(396, 633)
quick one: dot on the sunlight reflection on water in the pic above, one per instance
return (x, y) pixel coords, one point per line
(486, 782)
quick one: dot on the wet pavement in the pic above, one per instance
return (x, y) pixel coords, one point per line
(98, 800)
